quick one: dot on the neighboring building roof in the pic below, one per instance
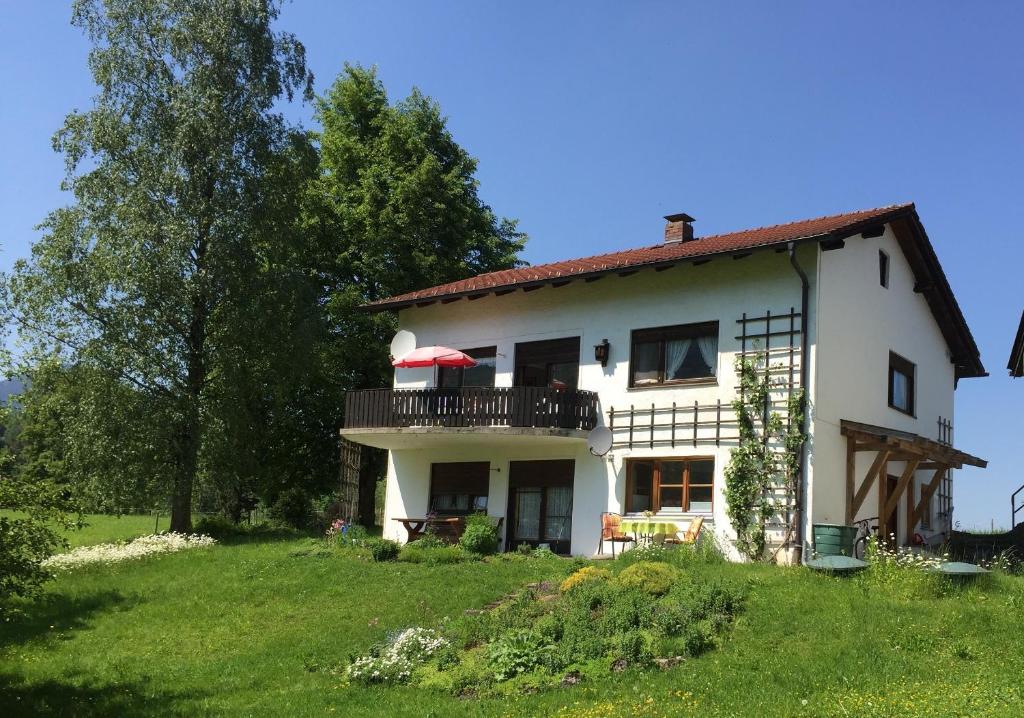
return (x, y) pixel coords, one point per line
(931, 280)
(1016, 363)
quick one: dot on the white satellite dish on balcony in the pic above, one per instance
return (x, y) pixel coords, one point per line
(403, 343)
(599, 441)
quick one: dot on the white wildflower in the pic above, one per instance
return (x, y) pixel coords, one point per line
(123, 551)
(394, 663)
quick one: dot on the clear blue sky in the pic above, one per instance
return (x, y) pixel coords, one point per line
(592, 120)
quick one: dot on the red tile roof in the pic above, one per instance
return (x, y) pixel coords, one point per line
(930, 279)
(652, 255)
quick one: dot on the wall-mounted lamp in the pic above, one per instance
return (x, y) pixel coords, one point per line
(601, 352)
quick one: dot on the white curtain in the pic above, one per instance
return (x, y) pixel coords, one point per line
(527, 514)
(645, 370)
(675, 354)
(558, 521)
(709, 351)
(900, 391)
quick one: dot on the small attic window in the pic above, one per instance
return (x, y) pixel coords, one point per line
(883, 269)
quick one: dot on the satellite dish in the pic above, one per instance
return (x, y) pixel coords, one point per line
(600, 440)
(403, 343)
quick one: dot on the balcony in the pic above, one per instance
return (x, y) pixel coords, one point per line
(421, 418)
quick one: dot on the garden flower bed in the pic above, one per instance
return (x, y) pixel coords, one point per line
(125, 551)
(649, 609)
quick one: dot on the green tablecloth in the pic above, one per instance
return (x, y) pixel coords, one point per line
(648, 526)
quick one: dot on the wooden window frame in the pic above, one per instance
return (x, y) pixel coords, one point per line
(550, 352)
(884, 265)
(656, 481)
(663, 335)
(908, 369)
(477, 353)
(455, 478)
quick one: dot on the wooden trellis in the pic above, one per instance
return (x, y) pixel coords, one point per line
(771, 340)
(348, 490)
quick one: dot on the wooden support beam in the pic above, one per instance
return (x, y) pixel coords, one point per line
(883, 494)
(891, 502)
(851, 467)
(926, 496)
(865, 487)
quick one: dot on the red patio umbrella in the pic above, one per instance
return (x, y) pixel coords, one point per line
(434, 356)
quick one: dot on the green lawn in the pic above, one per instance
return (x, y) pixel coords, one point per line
(254, 629)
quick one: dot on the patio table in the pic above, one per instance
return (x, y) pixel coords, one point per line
(648, 527)
(417, 527)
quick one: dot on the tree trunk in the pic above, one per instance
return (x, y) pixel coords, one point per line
(195, 380)
(188, 461)
(181, 504)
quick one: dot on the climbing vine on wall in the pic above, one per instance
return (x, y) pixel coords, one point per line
(766, 460)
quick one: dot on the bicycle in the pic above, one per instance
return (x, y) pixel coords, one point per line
(864, 532)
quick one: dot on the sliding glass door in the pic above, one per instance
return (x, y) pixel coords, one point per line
(540, 504)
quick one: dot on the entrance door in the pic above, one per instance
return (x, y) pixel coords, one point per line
(891, 529)
(540, 504)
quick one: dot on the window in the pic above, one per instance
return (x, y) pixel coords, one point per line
(461, 488)
(901, 384)
(926, 515)
(670, 485)
(688, 352)
(553, 363)
(480, 375)
(883, 269)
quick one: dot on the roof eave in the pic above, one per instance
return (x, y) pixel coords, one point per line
(933, 285)
(624, 270)
(1016, 362)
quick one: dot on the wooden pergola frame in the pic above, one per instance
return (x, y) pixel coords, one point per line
(918, 453)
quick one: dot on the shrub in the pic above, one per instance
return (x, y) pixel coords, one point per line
(626, 609)
(648, 552)
(429, 540)
(293, 507)
(222, 528)
(443, 554)
(394, 662)
(698, 638)
(633, 646)
(480, 536)
(588, 573)
(517, 613)
(524, 549)
(354, 535)
(382, 549)
(26, 541)
(579, 641)
(518, 652)
(653, 577)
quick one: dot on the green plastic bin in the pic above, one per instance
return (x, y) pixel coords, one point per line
(834, 539)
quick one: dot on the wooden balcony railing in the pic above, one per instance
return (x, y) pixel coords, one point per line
(519, 406)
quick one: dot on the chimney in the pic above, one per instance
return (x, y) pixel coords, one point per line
(678, 228)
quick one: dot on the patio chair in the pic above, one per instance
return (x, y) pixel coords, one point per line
(691, 534)
(611, 530)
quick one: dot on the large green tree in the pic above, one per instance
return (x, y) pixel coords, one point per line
(395, 208)
(162, 282)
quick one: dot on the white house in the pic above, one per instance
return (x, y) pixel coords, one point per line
(854, 307)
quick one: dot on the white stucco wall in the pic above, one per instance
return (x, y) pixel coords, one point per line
(610, 309)
(859, 323)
